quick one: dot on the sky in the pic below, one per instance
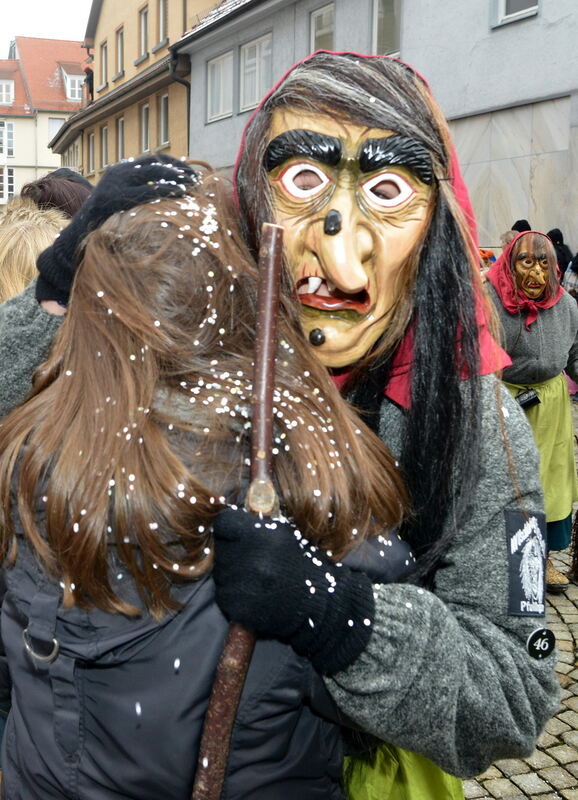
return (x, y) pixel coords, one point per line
(49, 19)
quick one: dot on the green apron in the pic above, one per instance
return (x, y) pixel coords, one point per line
(551, 423)
(399, 775)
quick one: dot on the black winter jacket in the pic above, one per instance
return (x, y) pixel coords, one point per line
(118, 712)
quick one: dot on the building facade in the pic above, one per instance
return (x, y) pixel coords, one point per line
(243, 46)
(504, 71)
(138, 99)
(40, 87)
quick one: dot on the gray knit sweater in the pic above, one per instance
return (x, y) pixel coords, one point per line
(26, 334)
(445, 674)
(547, 348)
(448, 674)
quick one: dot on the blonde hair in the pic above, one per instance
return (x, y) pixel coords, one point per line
(506, 238)
(22, 238)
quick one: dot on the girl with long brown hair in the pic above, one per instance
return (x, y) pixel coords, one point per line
(111, 474)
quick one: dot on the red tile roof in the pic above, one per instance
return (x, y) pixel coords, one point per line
(10, 71)
(41, 63)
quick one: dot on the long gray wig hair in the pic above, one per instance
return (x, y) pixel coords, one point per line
(439, 299)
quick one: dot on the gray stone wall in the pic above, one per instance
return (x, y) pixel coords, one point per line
(518, 163)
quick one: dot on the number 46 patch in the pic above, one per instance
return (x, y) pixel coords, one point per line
(540, 643)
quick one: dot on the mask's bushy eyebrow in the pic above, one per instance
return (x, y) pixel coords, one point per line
(300, 142)
(397, 150)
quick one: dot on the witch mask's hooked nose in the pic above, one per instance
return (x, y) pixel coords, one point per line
(332, 223)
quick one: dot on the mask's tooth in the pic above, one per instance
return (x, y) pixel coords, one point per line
(314, 284)
(330, 287)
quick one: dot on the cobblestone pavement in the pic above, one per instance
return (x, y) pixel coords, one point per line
(551, 772)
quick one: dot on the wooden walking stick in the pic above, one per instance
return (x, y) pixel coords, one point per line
(261, 498)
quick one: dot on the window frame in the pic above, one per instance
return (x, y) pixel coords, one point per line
(144, 130)
(163, 119)
(162, 22)
(222, 113)
(119, 128)
(104, 154)
(6, 89)
(143, 32)
(7, 138)
(243, 104)
(119, 52)
(316, 13)
(90, 153)
(6, 183)
(503, 18)
(62, 120)
(103, 64)
(74, 84)
(374, 32)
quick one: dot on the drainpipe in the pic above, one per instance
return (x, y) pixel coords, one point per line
(173, 75)
(35, 144)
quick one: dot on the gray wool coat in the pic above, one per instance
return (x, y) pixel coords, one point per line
(547, 348)
(450, 673)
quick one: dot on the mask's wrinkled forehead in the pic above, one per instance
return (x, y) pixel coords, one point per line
(375, 154)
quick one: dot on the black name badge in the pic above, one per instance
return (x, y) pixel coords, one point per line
(526, 542)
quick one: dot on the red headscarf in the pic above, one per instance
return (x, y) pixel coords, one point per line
(492, 357)
(501, 276)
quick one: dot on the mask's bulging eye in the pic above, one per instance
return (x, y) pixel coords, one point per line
(303, 180)
(388, 190)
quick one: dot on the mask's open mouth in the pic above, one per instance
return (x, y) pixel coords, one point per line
(318, 293)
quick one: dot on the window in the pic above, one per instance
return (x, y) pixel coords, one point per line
(73, 85)
(103, 64)
(54, 125)
(144, 128)
(120, 139)
(255, 71)
(6, 138)
(104, 146)
(386, 26)
(6, 183)
(162, 20)
(6, 92)
(509, 10)
(71, 157)
(143, 27)
(323, 28)
(163, 118)
(90, 152)
(220, 87)
(119, 37)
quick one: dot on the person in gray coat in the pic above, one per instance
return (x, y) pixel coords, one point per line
(540, 326)
(458, 665)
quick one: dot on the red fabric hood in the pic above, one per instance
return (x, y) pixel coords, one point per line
(513, 299)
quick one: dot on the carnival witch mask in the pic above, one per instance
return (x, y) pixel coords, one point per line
(353, 201)
(533, 264)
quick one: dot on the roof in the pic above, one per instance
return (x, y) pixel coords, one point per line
(93, 18)
(10, 70)
(41, 64)
(222, 12)
(158, 75)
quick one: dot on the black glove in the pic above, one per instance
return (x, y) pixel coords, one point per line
(123, 186)
(271, 579)
(385, 559)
